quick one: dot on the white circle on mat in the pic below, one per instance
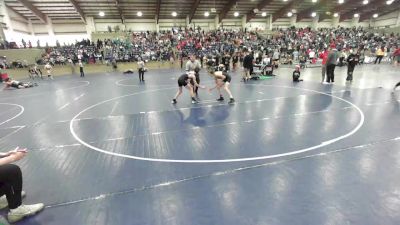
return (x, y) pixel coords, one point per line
(291, 153)
(22, 109)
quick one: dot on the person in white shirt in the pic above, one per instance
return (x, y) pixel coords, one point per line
(71, 64)
(48, 69)
(194, 65)
(141, 69)
(81, 68)
(311, 54)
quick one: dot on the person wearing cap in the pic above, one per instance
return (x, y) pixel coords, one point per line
(331, 64)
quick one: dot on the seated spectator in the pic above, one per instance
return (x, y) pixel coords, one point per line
(11, 187)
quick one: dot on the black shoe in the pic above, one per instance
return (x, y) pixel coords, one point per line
(231, 101)
(220, 99)
(194, 101)
(174, 101)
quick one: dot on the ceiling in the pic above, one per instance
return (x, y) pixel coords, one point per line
(39, 10)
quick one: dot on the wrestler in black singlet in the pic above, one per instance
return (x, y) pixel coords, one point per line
(228, 78)
(183, 80)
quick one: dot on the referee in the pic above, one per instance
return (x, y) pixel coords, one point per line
(194, 65)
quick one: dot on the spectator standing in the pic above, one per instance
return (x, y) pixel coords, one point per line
(71, 64)
(324, 57)
(331, 64)
(81, 68)
(247, 66)
(352, 61)
(141, 69)
(396, 56)
(379, 55)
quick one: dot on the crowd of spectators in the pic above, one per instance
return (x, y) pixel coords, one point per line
(285, 46)
(299, 44)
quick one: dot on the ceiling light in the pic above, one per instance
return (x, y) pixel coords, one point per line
(101, 13)
(206, 14)
(174, 14)
(356, 15)
(285, 0)
(139, 13)
(375, 15)
(264, 14)
(289, 14)
(341, 1)
(335, 14)
(389, 2)
(365, 2)
(328, 13)
(236, 14)
(314, 14)
(314, 1)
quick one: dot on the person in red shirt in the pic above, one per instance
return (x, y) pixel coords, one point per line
(324, 57)
(396, 55)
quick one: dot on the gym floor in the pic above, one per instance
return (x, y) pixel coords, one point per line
(106, 149)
